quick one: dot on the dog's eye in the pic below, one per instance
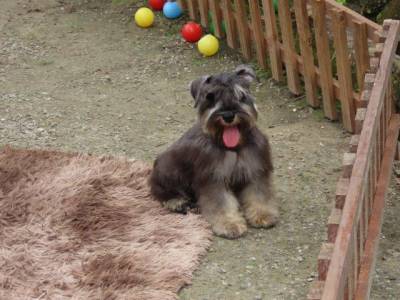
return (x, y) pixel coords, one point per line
(243, 99)
(210, 97)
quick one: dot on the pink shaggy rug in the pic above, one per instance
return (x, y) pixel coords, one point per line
(82, 227)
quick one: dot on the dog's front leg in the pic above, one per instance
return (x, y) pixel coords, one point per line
(259, 205)
(221, 209)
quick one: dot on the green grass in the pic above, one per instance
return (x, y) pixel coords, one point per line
(318, 115)
(123, 2)
(45, 62)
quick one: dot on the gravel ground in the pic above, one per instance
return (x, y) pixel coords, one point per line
(80, 76)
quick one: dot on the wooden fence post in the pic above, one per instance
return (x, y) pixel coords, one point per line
(306, 49)
(271, 33)
(361, 52)
(324, 59)
(230, 24)
(292, 70)
(258, 33)
(243, 28)
(343, 69)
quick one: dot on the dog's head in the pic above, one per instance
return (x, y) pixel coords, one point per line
(225, 106)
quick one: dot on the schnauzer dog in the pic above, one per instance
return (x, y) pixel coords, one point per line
(223, 163)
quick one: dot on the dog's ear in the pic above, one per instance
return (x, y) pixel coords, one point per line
(195, 87)
(245, 75)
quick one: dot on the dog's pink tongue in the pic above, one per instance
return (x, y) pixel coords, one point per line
(231, 137)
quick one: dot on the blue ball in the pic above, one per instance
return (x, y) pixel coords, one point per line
(172, 10)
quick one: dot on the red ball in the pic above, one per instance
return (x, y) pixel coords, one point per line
(191, 32)
(157, 4)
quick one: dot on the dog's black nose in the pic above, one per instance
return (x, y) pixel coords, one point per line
(228, 116)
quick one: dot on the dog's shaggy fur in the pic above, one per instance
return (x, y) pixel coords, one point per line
(82, 227)
(223, 163)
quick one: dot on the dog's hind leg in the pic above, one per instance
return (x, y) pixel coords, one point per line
(259, 205)
(221, 209)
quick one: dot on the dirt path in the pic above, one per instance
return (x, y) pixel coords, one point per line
(82, 77)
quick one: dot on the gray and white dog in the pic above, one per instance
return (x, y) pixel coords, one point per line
(223, 163)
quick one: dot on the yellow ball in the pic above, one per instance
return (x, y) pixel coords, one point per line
(208, 45)
(144, 17)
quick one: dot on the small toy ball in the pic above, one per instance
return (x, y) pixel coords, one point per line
(172, 10)
(208, 45)
(157, 4)
(191, 32)
(144, 17)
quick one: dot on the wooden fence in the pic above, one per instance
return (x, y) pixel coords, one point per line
(321, 43)
(343, 62)
(346, 262)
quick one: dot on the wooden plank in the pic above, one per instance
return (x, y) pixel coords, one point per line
(378, 50)
(360, 117)
(350, 276)
(374, 64)
(341, 192)
(348, 162)
(203, 7)
(364, 99)
(333, 224)
(324, 258)
(192, 8)
(305, 41)
(369, 81)
(335, 281)
(375, 224)
(292, 71)
(243, 29)
(183, 4)
(315, 292)
(361, 51)
(343, 68)
(271, 35)
(324, 60)
(230, 24)
(216, 16)
(355, 138)
(258, 32)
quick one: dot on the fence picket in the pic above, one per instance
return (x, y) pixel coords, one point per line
(216, 17)
(243, 29)
(361, 52)
(203, 7)
(230, 24)
(271, 34)
(305, 40)
(258, 32)
(324, 60)
(343, 68)
(292, 71)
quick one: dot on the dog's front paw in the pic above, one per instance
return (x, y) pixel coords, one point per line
(179, 205)
(264, 220)
(230, 227)
(262, 217)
